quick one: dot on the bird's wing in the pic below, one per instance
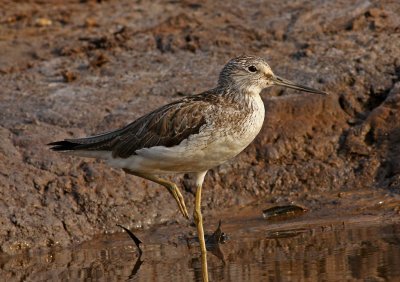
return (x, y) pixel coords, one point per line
(167, 126)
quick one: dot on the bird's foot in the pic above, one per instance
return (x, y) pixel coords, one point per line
(180, 201)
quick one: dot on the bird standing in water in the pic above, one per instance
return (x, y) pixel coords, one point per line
(191, 135)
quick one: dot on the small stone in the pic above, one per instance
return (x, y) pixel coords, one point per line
(99, 61)
(90, 22)
(68, 76)
(42, 22)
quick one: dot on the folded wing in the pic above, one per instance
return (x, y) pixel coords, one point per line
(167, 126)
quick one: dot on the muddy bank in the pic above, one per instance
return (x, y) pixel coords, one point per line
(79, 68)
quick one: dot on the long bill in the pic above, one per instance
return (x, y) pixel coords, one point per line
(289, 84)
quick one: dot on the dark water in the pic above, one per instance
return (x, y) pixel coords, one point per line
(331, 253)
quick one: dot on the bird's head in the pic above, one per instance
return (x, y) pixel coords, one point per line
(250, 74)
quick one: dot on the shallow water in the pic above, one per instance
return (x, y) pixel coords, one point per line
(253, 252)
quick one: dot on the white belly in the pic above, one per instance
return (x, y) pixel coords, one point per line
(211, 147)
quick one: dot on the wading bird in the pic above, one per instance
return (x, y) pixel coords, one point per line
(190, 135)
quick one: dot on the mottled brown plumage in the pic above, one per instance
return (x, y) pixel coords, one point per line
(167, 126)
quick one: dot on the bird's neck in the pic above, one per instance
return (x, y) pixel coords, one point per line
(253, 91)
(242, 96)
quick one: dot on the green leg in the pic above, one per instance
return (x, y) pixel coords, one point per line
(198, 219)
(172, 189)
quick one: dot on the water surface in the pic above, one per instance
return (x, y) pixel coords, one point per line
(254, 252)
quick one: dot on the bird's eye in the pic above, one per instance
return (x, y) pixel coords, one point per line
(252, 69)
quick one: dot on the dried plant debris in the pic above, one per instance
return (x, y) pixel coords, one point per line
(214, 240)
(133, 237)
(286, 233)
(283, 212)
(218, 237)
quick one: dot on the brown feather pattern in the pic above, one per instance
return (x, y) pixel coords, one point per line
(167, 126)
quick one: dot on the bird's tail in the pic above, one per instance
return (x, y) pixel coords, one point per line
(102, 142)
(65, 145)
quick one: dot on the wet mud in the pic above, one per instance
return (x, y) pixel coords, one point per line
(75, 68)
